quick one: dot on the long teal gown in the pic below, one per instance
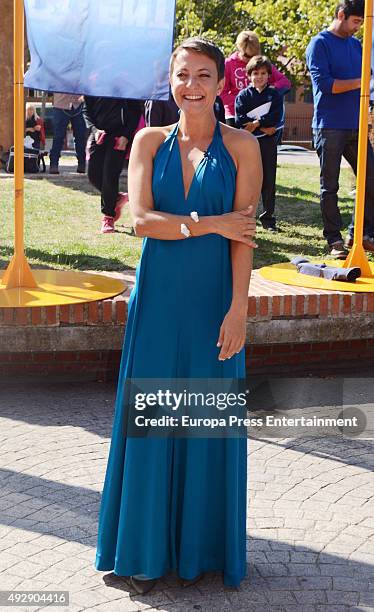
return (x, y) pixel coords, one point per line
(178, 504)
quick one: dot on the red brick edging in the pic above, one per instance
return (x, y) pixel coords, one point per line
(114, 311)
(318, 358)
(287, 326)
(108, 312)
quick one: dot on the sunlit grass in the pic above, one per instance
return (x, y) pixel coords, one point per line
(62, 221)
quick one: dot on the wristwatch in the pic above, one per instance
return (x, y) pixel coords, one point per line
(185, 231)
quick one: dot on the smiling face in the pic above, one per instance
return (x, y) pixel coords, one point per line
(259, 78)
(194, 82)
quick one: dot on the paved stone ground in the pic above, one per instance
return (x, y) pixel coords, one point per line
(310, 514)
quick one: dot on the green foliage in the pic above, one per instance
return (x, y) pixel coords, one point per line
(284, 27)
(70, 210)
(219, 20)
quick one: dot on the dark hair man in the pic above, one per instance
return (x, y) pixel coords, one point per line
(334, 59)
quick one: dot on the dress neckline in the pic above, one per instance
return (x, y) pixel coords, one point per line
(216, 133)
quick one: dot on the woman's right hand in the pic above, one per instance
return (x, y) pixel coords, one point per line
(238, 225)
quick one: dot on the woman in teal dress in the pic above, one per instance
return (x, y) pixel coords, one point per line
(172, 504)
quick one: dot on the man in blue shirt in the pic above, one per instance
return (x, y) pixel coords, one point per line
(334, 59)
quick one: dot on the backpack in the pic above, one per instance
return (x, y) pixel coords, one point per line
(32, 160)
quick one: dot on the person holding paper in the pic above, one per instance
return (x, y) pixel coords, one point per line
(236, 77)
(179, 504)
(259, 109)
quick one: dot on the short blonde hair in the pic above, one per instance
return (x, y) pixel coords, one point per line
(31, 107)
(246, 39)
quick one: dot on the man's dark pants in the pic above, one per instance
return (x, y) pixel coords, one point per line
(104, 169)
(331, 146)
(268, 148)
(61, 119)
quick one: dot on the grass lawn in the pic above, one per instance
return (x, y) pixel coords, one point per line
(62, 218)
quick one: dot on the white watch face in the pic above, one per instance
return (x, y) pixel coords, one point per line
(185, 231)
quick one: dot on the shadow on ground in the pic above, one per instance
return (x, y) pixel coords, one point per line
(273, 582)
(51, 485)
(69, 260)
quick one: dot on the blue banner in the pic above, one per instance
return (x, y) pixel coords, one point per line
(114, 48)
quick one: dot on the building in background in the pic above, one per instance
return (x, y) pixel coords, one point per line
(299, 113)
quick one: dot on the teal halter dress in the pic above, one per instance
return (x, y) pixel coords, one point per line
(173, 504)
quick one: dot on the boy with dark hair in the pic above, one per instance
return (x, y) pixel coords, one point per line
(334, 59)
(259, 109)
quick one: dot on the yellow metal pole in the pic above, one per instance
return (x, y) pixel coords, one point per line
(18, 273)
(357, 256)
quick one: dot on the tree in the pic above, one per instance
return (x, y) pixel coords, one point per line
(219, 20)
(284, 27)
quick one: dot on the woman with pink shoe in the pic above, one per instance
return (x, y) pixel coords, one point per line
(113, 123)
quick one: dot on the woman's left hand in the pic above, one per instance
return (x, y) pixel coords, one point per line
(232, 334)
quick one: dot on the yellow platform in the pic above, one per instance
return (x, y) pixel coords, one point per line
(59, 287)
(287, 273)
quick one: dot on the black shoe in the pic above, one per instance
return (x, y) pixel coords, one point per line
(53, 170)
(81, 168)
(348, 242)
(338, 250)
(142, 586)
(367, 243)
(270, 228)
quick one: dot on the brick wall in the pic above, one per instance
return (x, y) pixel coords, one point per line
(298, 118)
(309, 358)
(308, 305)
(79, 341)
(108, 312)
(311, 331)
(70, 365)
(322, 358)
